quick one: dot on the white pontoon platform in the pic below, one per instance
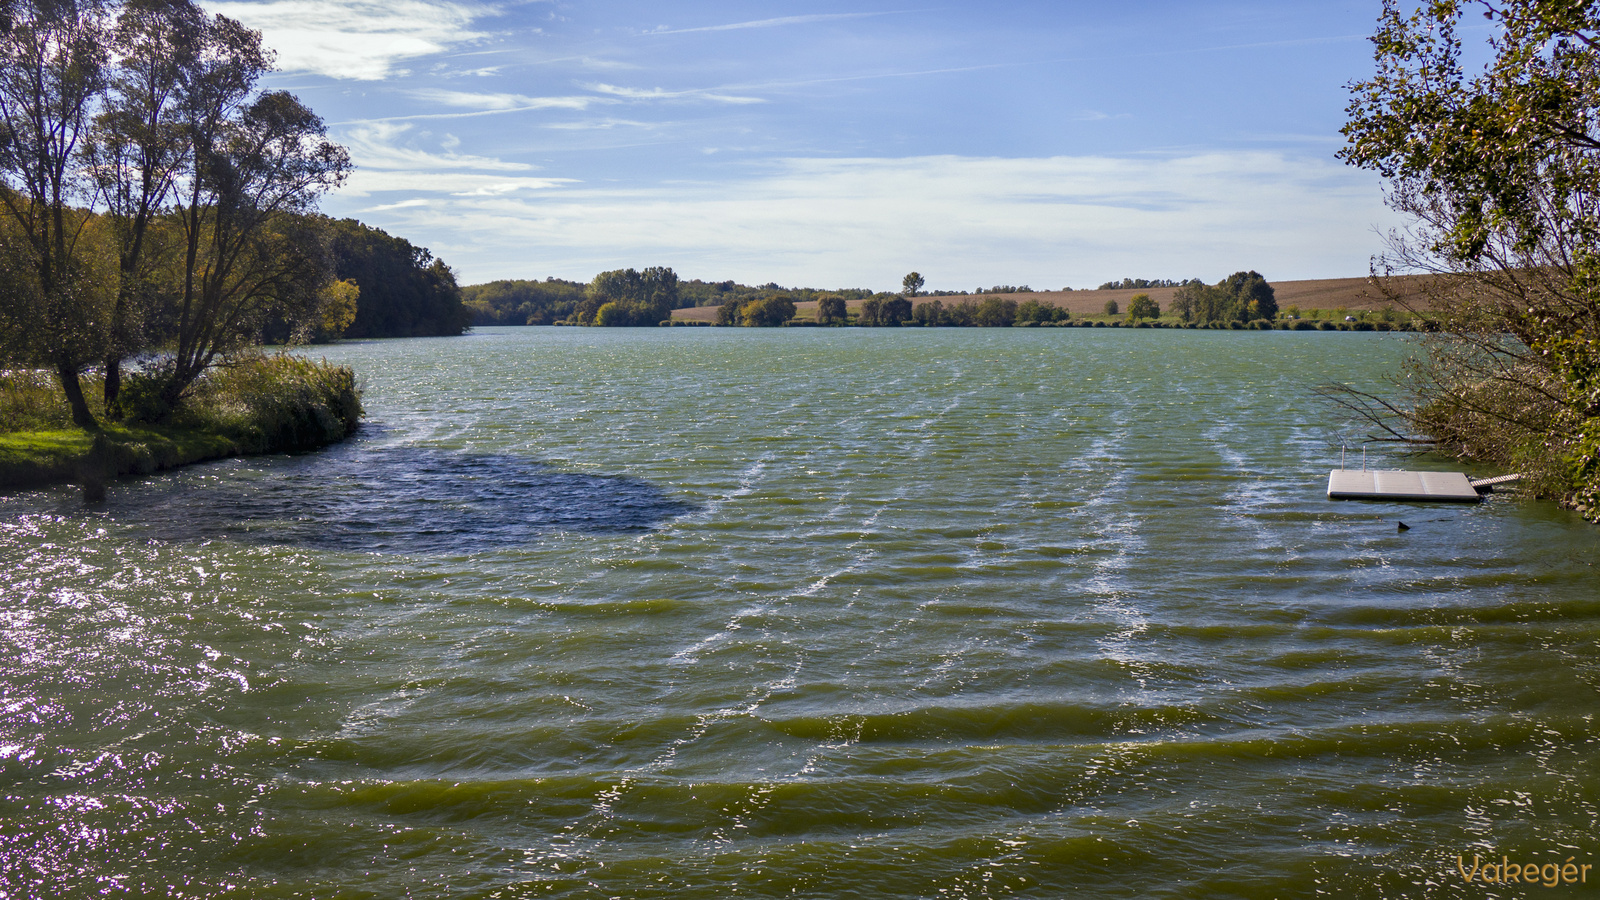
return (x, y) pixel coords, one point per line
(1377, 484)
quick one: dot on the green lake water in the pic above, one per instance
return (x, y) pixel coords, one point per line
(862, 613)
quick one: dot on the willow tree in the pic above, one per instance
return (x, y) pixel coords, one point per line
(52, 71)
(136, 152)
(250, 250)
(1499, 171)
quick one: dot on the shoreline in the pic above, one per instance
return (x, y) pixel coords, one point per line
(268, 405)
(36, 459)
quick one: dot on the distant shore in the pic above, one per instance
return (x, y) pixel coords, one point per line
(1353, 295)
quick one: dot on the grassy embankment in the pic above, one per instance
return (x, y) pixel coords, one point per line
(1328, 299)
(270, 404)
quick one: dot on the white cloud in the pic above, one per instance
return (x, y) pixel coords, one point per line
(503, 102)
(367, 182)
(660, 94)
(961, 221)
(354, 39)
(771, 23)
(381, 145)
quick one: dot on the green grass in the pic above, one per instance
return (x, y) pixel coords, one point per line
(259, 405)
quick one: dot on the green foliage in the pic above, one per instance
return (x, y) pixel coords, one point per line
(962, 313)
(996, 312)
(32, 400)
(641, 298)
(198, 238)
(768, 312)
(870, 314)
(405, 291)
(259, 404)
(1500, 172)
(1032, 312)
(1112, 308)
(911, 285)
(1140, 306)
(895, 312)
(716, 293)
(275, 403)
(522, 302)
(1241, 297)
(831, 310)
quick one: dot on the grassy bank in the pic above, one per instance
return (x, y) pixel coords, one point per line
(267, 404)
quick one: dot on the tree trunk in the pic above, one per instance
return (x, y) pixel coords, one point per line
(113, 386)
(81, 416)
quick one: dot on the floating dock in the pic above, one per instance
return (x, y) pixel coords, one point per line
(1376, 484)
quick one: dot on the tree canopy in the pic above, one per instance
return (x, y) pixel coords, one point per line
(1499, 171)
(1140, 306)
(518, 302)
(404, 290)
(634, 298)
(153, 195)
(1241, 297)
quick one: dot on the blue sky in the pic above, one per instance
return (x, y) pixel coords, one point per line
(844, 144)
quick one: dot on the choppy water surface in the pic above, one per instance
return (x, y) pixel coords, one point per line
(865, 613)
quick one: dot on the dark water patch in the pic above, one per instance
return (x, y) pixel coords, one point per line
(409, 500)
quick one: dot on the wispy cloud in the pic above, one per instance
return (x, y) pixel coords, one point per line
(599, 125)
(502, 102)
(774, 23)
(629, 93)
(382, 145)
(963, 221)
(354, 39)
(435, 190)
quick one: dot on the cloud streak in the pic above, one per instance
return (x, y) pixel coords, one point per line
(712, 94)
(779, 22)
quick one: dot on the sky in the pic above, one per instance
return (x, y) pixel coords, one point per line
(833, 144)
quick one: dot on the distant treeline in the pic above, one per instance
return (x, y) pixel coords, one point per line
(555, 301)
(717, 293)
(648, 297)
(518, 302)
(618, 297)
(1140, 284)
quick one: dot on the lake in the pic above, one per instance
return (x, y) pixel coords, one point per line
(801, 612)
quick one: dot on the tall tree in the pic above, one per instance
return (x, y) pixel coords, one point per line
(831, 310)
(136, 152)
(912, 284)
(250, 249)
(1500, 172)
(1250, 296)
(895, 311)
(1142, 307)
(52, 70)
